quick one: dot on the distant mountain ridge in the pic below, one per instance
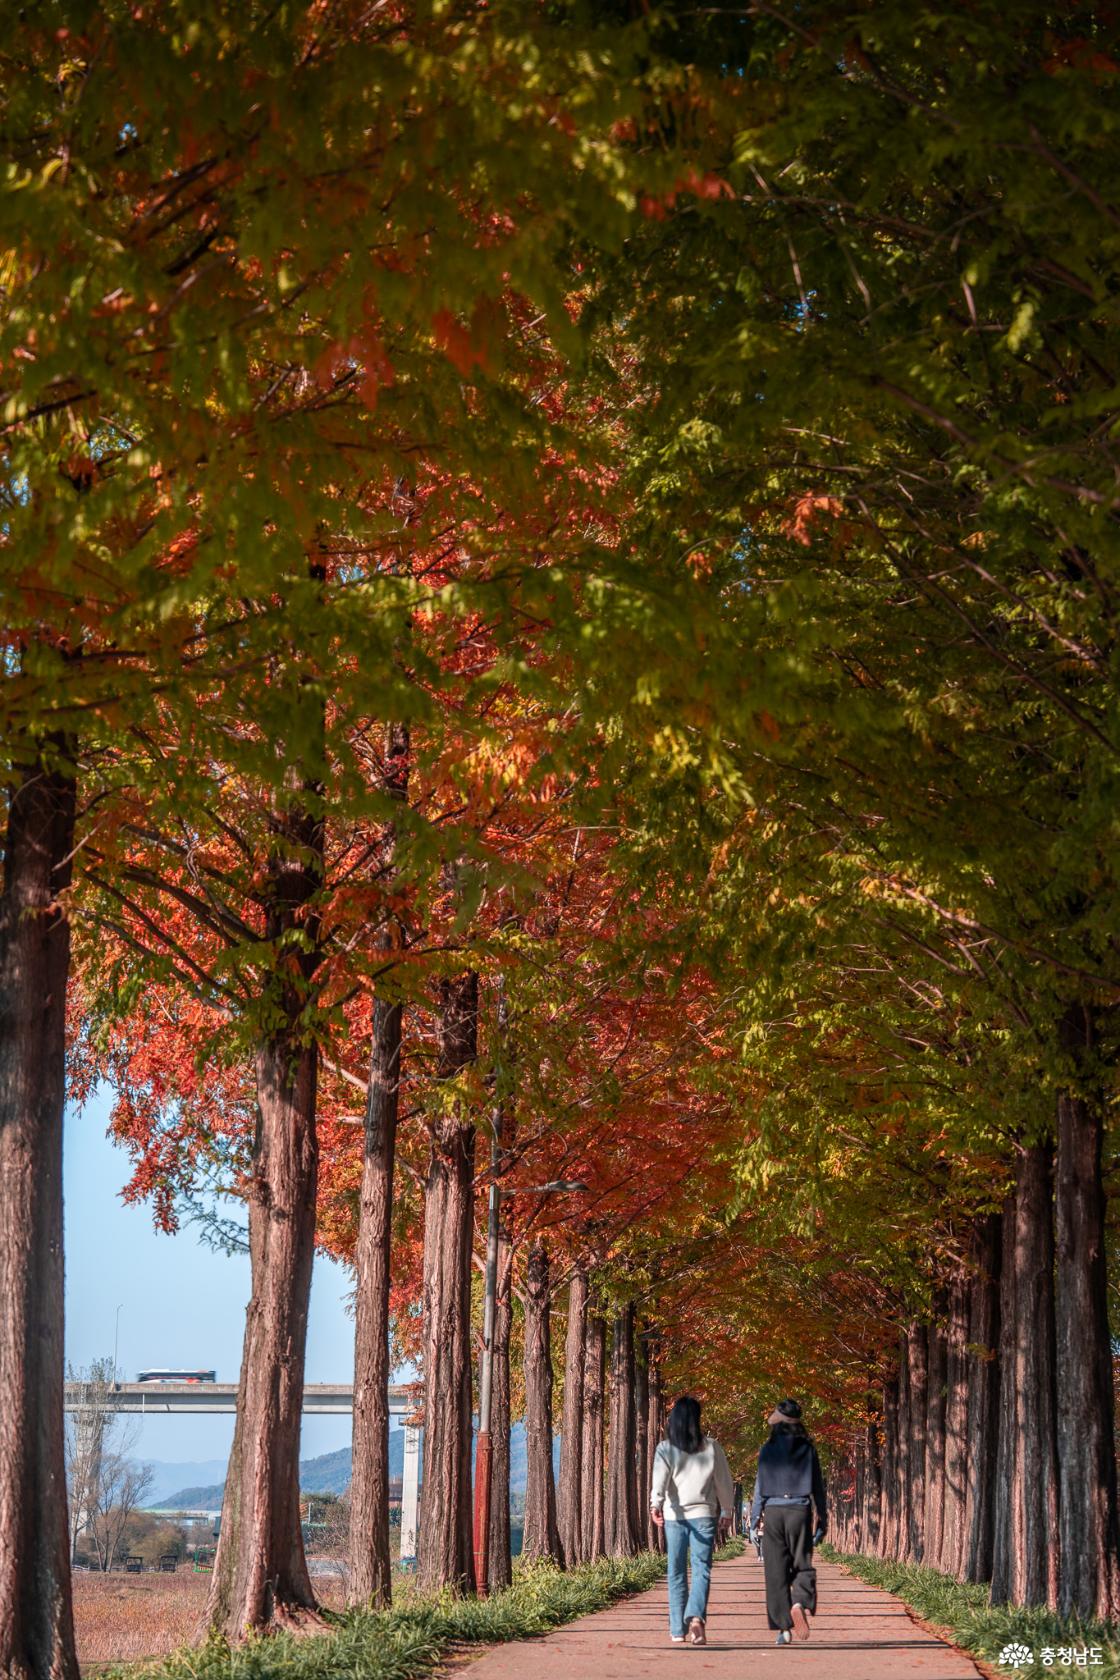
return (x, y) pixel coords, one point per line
(167, 1478)
(329, 1473)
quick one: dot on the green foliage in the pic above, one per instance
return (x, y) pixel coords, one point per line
(964, 1613)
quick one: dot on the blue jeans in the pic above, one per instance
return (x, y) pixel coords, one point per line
(695, 1537)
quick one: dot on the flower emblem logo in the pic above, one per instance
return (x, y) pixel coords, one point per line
(1016, 1656)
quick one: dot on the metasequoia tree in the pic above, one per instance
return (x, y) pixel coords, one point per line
(445, 1554)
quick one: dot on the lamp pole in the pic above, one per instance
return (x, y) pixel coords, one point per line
(116, 1339)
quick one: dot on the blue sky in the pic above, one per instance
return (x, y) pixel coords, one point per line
(181, 1304)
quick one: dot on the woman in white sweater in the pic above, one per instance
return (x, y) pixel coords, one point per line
(690, 1491)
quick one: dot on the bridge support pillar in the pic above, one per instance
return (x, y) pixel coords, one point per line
(410, 1496)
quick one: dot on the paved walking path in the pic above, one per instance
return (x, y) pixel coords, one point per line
(859, 1633)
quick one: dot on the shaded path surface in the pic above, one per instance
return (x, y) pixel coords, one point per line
(860, 1633)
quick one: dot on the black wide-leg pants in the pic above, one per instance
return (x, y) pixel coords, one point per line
(787, 1562)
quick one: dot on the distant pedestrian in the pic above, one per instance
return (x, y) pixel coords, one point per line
(789, 1487)
(691, 1493)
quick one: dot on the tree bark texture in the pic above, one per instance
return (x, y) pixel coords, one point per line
(888, 1535)
(917, 1363)
(872, 1515)
(1085, 1399)
(445, 1552)
(936, 1372)
(655, 1537)
(622, 1528)
(641, 1439)
(260, 1575)
(1029, 1472)
(1002, 1573)
(36, 1617)
(570, 1490)
(594, 1385)
(370, 1572)
(541, 1536)
(260, 1578)
(501, 1561)
(952, 1549)
(858, 1477)
(905, 1486)
(983, 1399)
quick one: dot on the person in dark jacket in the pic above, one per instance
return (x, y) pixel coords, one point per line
(788, 1490)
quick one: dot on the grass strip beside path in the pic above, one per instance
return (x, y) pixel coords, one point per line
(963, 1613)
(409, 1640)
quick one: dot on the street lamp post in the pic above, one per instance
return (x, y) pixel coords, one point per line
(116, 1339)
(484, 1461)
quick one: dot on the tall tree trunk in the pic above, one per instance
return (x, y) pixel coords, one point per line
(501, 1560)
(873, 1486)
(858, 1462)
(917, 1360)
(1031, 1493)
(260, 1575)
(641, 1439)
(1090, 1585)
(983, 1399)
(935, 1441)
(542, 1537)
(370, 1570)
(36, 1617)
(905, 1483)
(570, 1490)
(622, 1534)
(655, 1537)
(1003, 1569)
(888, 1534)
(953, 1536)
(594, 1384)
(445, 1552)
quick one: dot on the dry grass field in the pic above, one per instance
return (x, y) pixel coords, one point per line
(122, 1618)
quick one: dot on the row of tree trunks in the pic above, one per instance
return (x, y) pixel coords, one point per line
(995, 1461)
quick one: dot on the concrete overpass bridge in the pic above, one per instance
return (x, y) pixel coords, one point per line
(91, 1405)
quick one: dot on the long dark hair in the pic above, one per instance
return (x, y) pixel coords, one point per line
(683, 1427)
